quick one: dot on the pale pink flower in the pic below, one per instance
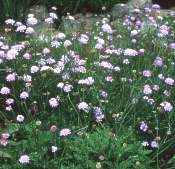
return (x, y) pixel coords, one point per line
(24, 159)
(65, 132)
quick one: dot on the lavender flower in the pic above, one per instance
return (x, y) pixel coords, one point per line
(24, 95)
(143, 126)
(99, 115)
(5, 91)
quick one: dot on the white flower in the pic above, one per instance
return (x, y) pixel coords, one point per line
(54, 149)
(53, 15)
(67, 43)
(5, 90)
(130, 52)
(34, 69)
(60, 85)
(24, 95)
(24, 159)
(30, 30)
(21, 28)
(53, 102)
(32, 21)
(61, 36)
(27, 78)
(20, 118)
(83, 106)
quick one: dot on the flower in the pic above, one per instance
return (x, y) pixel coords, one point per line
(147, 89)
(99, 115)
(5, 135)
(103, 93)
(10, 77)
(83, 39)
(46, 51)
(9, 101)
(49, 20)
(134, 32)
(32, 21)
(29, 30)
(53, 102)
(147, 73)
(10, 22)
(130, 52)
(156, 6)
(53, 15)
(24, 95)
(88, 81)
(11, 54)
(67, 43)
(61, 36)
(169, 81)
(24, 159)
(154, 144)
(55, 44)
(20, 118)
(83, 106)
(34, 69)
(5, 90)
(53, 128)
(109, 78)
(166, 106)
(21, 28)
(54, 149)
(158, 62)
(143, 126)
(106, 28)
(172, 45)
(67, 88)
(145, 143)
(27, 56)
(65, 132)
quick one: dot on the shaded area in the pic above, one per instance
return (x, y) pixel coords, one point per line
(165, 4)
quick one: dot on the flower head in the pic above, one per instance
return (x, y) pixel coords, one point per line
(24, 159)
(65, 132)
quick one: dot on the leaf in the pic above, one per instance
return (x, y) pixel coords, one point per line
(5, 155)
(11, 128)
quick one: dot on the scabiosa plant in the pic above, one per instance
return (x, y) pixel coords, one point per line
(166, 106)
(24, 159)
(158, 62)
(130, 52)
(11, 77)
(53, 102)
(99, 115)
(83, 106)
(143, 126)
(5, 91)
(169, 81)
(106, 28)
(24, 95)
(147, 73)
(20, 118)
(65, 132)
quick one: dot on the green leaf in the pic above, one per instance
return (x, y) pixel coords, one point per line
(5, 155)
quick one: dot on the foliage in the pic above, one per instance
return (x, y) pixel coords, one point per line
(103, 98)
(19, 8)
